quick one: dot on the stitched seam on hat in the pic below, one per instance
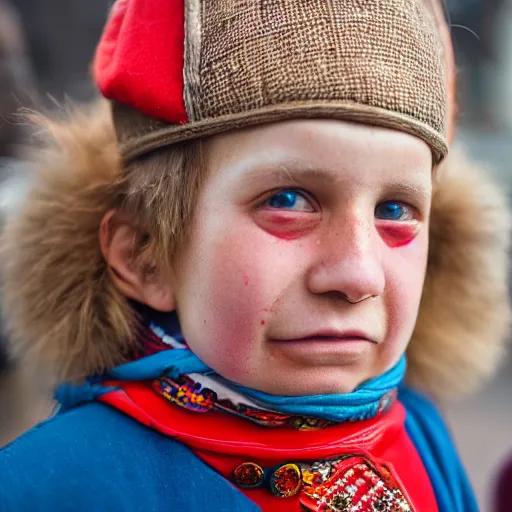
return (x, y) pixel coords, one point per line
(192, 59)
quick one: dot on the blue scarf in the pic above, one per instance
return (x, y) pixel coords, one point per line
(363, 403)
(424, 425)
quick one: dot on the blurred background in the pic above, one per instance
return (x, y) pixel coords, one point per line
(45, 51)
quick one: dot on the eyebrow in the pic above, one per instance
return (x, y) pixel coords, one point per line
(410, 190)
(296, 172)
(287, 171)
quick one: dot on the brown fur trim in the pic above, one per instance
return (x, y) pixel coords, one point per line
(464, 316)
(61, 307)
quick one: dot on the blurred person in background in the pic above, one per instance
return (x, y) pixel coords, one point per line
(473, 30)
(503, 493)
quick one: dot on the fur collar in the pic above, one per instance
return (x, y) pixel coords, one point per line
(60, 306)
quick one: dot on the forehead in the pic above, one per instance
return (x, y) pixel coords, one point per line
(329, 149)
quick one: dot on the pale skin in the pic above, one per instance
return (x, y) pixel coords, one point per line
(304, 265)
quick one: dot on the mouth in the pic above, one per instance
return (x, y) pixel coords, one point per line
(330, 336)
(325, 348)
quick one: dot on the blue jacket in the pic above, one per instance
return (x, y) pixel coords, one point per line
(94, 458)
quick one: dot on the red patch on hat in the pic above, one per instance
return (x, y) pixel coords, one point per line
(140, 57)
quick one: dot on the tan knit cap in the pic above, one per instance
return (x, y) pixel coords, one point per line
(219, 65)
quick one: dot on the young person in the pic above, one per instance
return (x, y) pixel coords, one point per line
(231, 283)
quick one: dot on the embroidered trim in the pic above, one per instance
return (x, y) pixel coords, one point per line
(191, 395)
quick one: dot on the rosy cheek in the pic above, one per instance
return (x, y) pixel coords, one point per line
(287, 225)
(398, 234)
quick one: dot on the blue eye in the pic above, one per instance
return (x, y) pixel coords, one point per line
(290, 200)
(393, 210)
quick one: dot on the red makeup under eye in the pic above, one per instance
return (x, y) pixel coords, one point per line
(287, 225)
(398, 234)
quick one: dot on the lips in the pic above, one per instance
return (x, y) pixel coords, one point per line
(331, 335)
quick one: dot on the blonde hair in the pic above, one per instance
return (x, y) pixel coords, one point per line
(158, 193)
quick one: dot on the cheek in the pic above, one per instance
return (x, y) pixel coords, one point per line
(232, 281)
(406, 273)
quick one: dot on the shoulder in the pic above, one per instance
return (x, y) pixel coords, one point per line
(95, 458)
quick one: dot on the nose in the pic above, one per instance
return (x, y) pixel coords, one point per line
(348, 262)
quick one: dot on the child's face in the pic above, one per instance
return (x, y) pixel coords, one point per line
(305, 263)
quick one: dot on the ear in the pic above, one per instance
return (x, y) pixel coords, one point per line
(132, 276)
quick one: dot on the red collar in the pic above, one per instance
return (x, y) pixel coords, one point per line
(224, 442)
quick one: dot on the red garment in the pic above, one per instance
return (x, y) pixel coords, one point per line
(224, 442)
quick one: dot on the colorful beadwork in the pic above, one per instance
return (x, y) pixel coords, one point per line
(349, 482)
(358, 485)
(189, 394)
(286, 481)
(186, 393)
(249, 475)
